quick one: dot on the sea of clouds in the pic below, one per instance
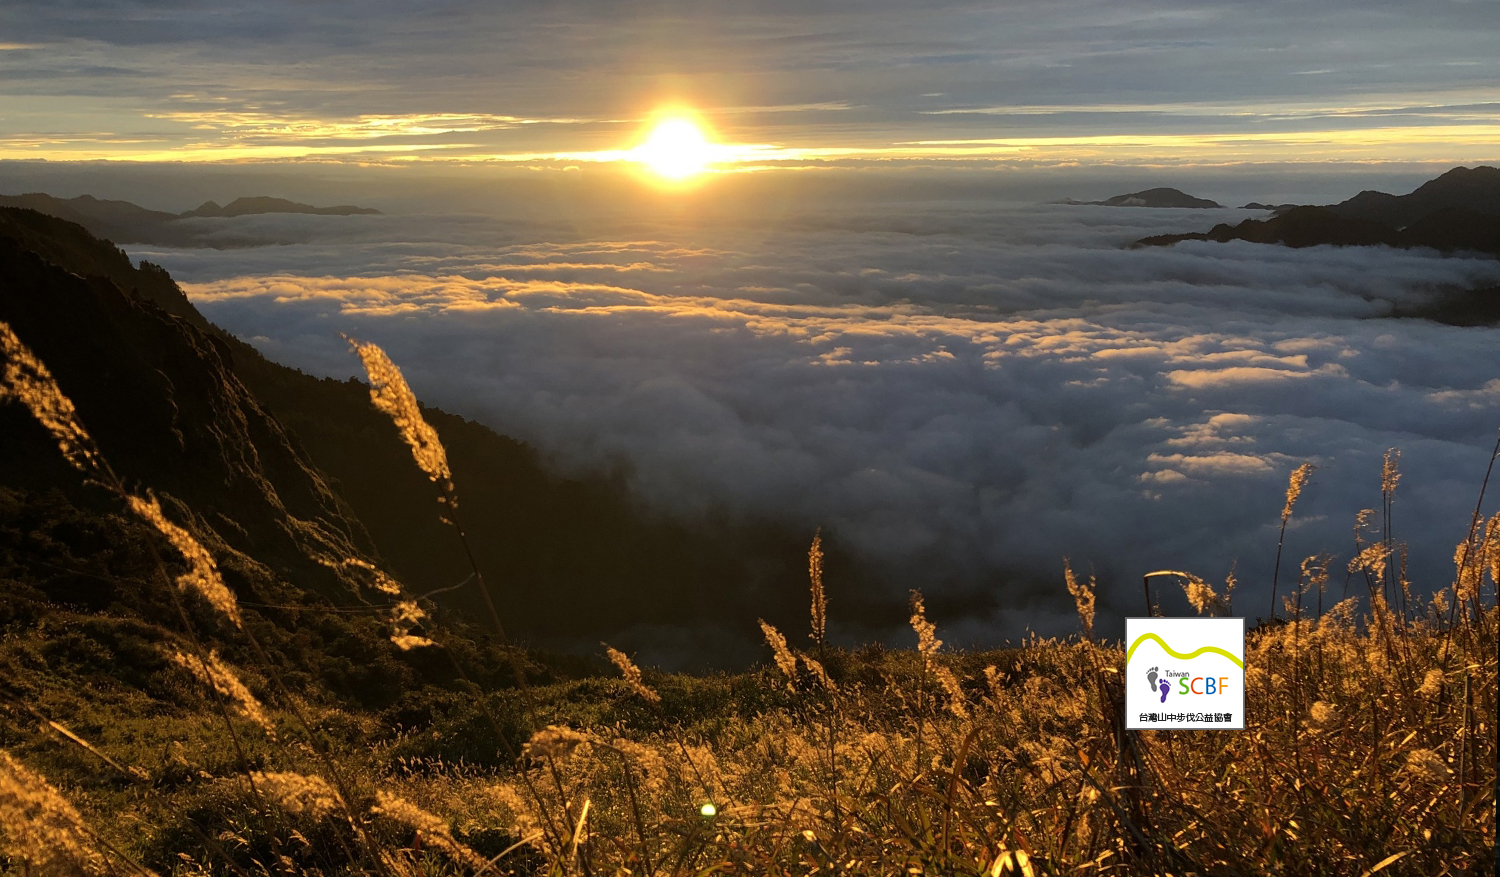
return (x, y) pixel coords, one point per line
(961, 393)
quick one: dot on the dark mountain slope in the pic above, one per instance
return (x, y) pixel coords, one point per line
(117, 220)
(1475, 190)
(205, 418)
(1298, 227)
(159, 396)
(1459, 210)
(1447, 230)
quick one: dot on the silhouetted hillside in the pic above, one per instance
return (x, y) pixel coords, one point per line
(280, 471)
(119, 221)
(1447, 230)
(127, 223)
(1459, 210)
(1474, 190)
(1298, 227)
(161, 398)
(264, 204)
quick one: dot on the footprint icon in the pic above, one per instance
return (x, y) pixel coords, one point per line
(1151, 677)
(1165, 687)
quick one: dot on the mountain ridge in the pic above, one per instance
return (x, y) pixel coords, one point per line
(257, 204)
(128, 223)
(1457, 211)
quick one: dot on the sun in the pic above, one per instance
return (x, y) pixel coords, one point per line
(676, 149)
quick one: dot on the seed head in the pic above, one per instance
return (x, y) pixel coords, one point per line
(25, 379)
(785, 660)
(556, 742)
(38, 827)
(927, 641)
(298, 793)
(1202, 597)
(632, 675)
(1294, 487)
(1432, 683)
(1426, 765)
(405, 616)
(957, 702)
(217, 675)
(391, 395)
(1390, 473)
(815, 580)
(815, 667)
(1083, 598)
(202, 577)
(432, 830)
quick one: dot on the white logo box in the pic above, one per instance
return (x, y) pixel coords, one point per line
(1185, 674)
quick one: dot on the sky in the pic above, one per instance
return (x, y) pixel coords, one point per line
(776, 84)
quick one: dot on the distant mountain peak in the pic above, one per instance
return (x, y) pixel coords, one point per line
(1161, 196)
(255, 204)
(125, 223)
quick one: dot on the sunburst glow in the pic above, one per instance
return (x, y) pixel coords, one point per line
(676, 149)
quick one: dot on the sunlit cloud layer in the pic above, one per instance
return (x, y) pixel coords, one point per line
(961, 395)
(834, 83)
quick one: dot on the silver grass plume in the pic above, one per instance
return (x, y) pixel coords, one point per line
(927, 641)
(202, 577)
(430, 829)
(632, 675)
(1083, 598)
(38, 827)
(298, 793)
(815, 584)
(217, 675)
(26, 380)
(391, 395)
(1294, 485)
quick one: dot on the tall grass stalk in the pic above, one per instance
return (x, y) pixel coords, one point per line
(1294, 486)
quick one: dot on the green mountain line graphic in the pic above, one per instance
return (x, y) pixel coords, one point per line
(1176, 654)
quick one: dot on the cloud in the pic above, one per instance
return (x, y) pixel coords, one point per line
(963, 393)
(816, 82)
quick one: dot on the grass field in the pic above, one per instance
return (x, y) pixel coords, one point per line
(201, 744)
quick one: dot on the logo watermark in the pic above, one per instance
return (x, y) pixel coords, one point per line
(1185, 673)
